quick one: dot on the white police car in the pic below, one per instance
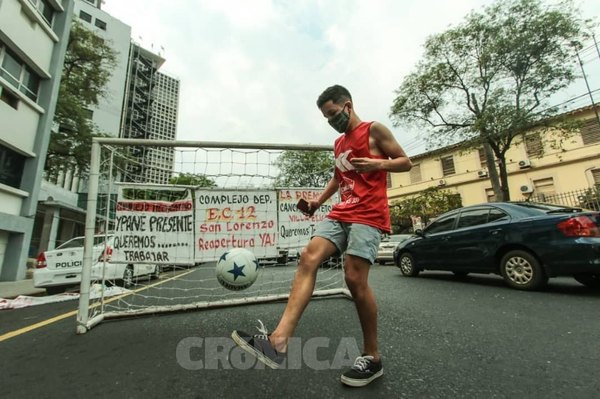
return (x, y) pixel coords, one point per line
(60, 268)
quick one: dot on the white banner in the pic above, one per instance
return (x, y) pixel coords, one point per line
(228, 219)
(295, 229)
(152, 231)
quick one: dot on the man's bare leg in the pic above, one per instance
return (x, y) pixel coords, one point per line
(317, 250)
(357, 279)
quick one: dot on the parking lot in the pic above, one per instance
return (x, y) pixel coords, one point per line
(440, 337)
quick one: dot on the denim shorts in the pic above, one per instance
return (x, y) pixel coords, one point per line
(353, 238)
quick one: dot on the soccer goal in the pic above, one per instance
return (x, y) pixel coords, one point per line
(161, 213)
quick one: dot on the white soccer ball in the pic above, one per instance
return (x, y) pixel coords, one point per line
(237, 269)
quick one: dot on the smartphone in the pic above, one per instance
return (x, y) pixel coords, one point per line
(303, 206)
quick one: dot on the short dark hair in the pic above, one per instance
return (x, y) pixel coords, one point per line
(335, 93)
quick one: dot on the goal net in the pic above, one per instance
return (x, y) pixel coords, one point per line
(161, 213)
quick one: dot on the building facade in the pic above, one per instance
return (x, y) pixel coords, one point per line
(543, 164)
(107, 114)
(33, 40)
(151, 108)
(163, 126)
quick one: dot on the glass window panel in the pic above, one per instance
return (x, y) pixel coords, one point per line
(440, 226)
(473, 217)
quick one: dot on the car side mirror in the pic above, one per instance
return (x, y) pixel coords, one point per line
(420, 233)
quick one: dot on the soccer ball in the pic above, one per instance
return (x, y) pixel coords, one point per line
(237, 269)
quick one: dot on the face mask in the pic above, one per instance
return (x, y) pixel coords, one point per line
(340, 121)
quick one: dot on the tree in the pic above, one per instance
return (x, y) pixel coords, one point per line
(87, 68)
(488, 80)
(304, 168)
(428, 204)
(190, 179)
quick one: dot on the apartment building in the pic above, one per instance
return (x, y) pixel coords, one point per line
(33, 40)
(542, 164)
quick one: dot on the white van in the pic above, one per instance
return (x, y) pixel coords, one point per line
(60, 268)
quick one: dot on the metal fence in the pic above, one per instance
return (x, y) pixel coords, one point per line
(588, 198)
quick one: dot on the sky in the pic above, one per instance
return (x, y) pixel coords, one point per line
(251, 70)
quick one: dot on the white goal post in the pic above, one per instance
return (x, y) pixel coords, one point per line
(227, 195)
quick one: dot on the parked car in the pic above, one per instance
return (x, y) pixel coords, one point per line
(387, 246)
(60, 268)
(524, 242)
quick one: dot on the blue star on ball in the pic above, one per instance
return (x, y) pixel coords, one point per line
(237, 271)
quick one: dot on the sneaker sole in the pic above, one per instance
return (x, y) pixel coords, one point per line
(352, 382)
(252, 350)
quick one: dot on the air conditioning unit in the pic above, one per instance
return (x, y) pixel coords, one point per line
(442, 182)
(524, 164)
(482, 173)
(527, 188)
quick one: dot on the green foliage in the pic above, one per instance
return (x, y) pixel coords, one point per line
(190, 179)
(304, 168)
(489, 79)
(428, 204)
(86, 71)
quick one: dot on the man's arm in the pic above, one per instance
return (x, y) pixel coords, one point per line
(385, 141)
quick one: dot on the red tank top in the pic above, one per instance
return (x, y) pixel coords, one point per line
(363, 195)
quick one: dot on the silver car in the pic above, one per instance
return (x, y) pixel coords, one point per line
(387, 246)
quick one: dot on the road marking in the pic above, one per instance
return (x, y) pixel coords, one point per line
(44, 323)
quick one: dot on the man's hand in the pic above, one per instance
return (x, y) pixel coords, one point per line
(314, 204)
(364, 165)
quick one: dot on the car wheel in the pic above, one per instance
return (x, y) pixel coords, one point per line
(406, 263)
(521, 270)
(156, 273)
(128, 277)
(381, 262)
(589, 280)
(59, 289)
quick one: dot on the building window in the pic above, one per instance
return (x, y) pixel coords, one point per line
(18, 75)
(596, 177)
(489, 193)
(590, 131)
(448, 165)
(533, 145)
(482, 158)
(415, 173)
(100, 24)
(9, 98)
(11, 167)
(389, 180)
(11, 68)
(45, 10)
(544, 187)
(85, 16)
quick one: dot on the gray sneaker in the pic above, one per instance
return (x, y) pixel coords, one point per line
(259, 346)
(363, 372)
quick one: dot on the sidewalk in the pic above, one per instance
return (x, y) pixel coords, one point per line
(12, 289)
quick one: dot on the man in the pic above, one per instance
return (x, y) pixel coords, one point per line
(364, 154)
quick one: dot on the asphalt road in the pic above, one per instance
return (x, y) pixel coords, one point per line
(440, 337)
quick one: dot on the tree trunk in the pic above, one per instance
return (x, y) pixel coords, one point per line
(504, 178)
(490, 159)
